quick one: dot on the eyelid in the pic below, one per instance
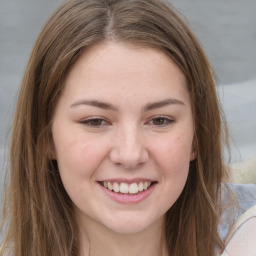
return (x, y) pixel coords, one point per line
(87, 121)
(166, 118)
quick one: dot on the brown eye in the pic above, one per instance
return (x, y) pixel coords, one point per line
(95, 122)
(160, 121)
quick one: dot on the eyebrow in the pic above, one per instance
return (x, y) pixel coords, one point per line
(95, 103)
(163, 103)
(148, 107)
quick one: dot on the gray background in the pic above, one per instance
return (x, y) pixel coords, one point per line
(226, 29)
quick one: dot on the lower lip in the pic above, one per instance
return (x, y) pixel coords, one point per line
(137, 198)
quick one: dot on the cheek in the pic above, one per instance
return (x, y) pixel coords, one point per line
(173, 155)
(76, 155)
(78, 162)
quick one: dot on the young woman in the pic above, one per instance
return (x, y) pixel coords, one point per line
(117, 138)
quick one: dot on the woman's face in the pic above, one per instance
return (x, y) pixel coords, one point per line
(123, 133)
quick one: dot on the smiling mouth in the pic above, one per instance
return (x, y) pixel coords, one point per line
(125, 188)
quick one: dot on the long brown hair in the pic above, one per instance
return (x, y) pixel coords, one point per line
(38, 212)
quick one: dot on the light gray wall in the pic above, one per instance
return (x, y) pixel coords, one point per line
(227, 30)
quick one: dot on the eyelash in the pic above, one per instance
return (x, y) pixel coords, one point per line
(164, 121)
(89, 122)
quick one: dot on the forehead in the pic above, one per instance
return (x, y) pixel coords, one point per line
(114, 68)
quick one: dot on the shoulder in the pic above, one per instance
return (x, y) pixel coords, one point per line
(238, 228)
(236, 200)
(241, 239)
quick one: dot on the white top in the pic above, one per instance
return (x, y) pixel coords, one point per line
(241, 240)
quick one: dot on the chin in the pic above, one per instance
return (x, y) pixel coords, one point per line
(133, 224)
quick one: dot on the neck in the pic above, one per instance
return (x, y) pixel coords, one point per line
(100, 241)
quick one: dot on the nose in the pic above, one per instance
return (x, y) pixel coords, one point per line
(129, 149)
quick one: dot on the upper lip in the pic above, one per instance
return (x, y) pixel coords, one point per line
(128, 181)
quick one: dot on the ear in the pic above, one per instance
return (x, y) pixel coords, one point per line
(193, 154)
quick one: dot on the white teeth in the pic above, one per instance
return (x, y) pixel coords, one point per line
(145, 185)
(124, 188)
(141, 186)
(116, 187)
(110, 187)
(133, 189)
